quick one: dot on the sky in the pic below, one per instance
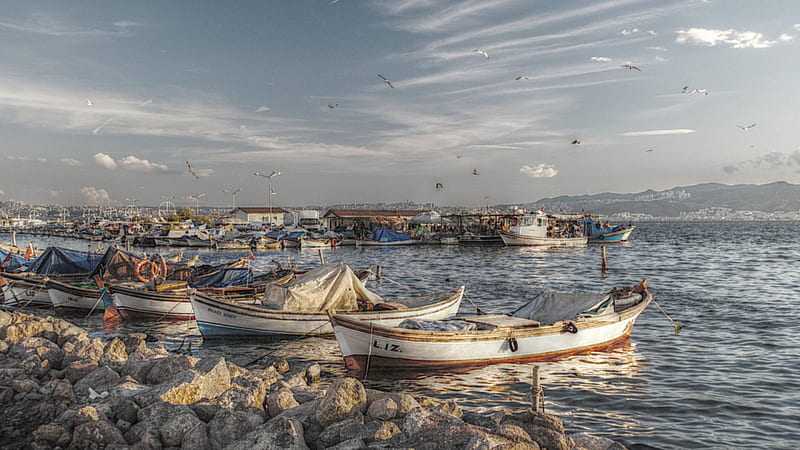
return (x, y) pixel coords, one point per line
(483, 102)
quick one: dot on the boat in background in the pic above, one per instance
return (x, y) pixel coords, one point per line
(387, 237)
(552, 325)
(541, 229)
(598, 232)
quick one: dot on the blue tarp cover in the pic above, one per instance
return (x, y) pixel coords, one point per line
(387, 235)
(58, 260)
(15, 263)
(227, 276)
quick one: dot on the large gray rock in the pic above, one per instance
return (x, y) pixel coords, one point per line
(280, 401)
(82, 347)
(341, 431)
(45, 349)
(100, 380)
(383, 409)
(589, 442)
(96, 435)
(114, 354)
(174, 429)
(79, 369)
(145, 435)
(14, 332)
(228, 425)
(281, 433)
(196, 438)
(345, 398)
(208, 379)
(163, 369)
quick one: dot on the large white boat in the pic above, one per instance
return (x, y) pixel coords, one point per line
(543, 229)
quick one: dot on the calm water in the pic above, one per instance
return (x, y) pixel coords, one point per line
(728, 379)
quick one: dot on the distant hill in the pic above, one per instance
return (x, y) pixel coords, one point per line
(767, 198)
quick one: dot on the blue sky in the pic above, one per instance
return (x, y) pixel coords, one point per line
(293, 86)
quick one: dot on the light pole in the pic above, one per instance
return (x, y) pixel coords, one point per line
(272, 192)
(196, 198)
(233, 194)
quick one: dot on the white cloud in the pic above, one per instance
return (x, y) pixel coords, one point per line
(601, 58)
(70, 162)
(2, 192)
(711, 37)
(95, 195)
(27, 159)
(105, 161)
(262, 108)
(627, 32)
(539, 171)
(657, 132)
(140, 165)
(785, 37)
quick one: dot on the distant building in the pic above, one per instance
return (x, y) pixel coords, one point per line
(273, 215)
(368, 219)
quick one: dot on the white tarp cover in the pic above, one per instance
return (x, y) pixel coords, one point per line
(327, 287)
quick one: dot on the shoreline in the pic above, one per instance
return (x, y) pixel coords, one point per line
(61, 388)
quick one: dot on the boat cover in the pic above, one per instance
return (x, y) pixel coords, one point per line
(13, 262)
(225, 277)
(551, 307)
(64, 261)
(327, 287)
(386, 235)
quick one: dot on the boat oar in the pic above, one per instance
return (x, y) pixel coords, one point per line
(674, 324)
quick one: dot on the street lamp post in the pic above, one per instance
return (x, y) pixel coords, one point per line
(196, 198)
(233, 194)
(272, 192)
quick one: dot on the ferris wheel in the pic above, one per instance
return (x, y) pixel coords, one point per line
(167, 208)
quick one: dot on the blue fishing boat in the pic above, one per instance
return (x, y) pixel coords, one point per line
(598, 232)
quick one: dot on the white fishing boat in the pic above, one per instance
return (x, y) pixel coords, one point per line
(300, 307)
(551, 325)
(77, 297)
(543, 229)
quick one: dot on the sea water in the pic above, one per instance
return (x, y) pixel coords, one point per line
(728, 379)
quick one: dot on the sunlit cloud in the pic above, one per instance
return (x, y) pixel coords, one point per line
(262, 109)
(95, 195)
(140, 165)
(539, 171)
(70, 162)
(27, 159)
(710, 37)
(657, 132)
(769, 161)
(601, 58)
(105, 161)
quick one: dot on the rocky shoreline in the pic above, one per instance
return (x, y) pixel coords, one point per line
(61, 388)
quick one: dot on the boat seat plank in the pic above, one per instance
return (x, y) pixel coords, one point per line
(500, 321)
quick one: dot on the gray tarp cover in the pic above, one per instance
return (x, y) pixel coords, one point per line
(327, 287)
(552, 307)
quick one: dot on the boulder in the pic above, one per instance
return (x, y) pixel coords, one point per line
(383, 409)
(114, 354)
(281, 433)
(82, 347)
(228, 426)
(341, 431)
(175, 428)
(587, 441)
(145, 435)
(381, 431)
(96, 435)
(76, 370)
(196, 438)
(280, 401)
(207, 380)
(162, 369)
(345, 398)
(45, 349)
(100, 380)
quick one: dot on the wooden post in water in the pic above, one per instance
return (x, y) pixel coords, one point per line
(321, 258)
(536, 390)
(14, 238)
(603, 263)
(378, 272)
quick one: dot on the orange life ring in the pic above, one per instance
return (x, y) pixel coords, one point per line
(137, 272)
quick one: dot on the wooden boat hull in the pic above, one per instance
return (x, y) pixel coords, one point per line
(366, 346)
(516, 239)
(371, 243)
(140, 304)
(616, 236)
(66, 297)
(216, 317)
(310, 243)
(25, 293)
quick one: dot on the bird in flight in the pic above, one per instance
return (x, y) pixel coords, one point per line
(699, 91)
(631, 67)
(685, 89)
(191, 171)
(386, 80)
(333, 106)
(481, 52)
(439, 186)
(458, 156)
(649, 150)
(475, 172)
(575, 142)
(746, 127)
(521, 77)
(89, 102)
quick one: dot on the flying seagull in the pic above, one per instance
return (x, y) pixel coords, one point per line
(475, 172)
(439, 186)
(649, 150)
(745, 128)
(699, 91)
(191, 171)
(481, 52)
(333, 106)
(521, 77)
(575, 142)
(458, 156)
(386, 80)
(631, 67)
(89, 102)
(685, 89)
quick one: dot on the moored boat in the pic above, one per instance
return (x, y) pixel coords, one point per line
(598, 232)
(300, 307)
(386, 237)
(551, 325)
(543, 229)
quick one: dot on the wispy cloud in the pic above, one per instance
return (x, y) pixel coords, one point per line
(262, 109)
(539, 171)
(70, 162)
(711, 37)
(27, 159)
(769, 161)
(50, 25)
(657, 132)
(95, 195)
(97, 130)
(601, 59)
